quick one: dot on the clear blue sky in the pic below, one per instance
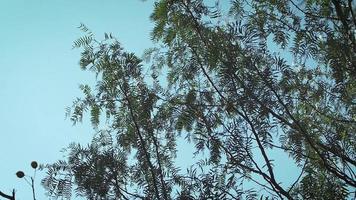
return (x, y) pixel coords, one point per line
(39, 75)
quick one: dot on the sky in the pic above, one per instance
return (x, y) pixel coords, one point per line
(40, 75)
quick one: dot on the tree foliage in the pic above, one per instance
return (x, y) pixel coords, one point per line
(238, 81)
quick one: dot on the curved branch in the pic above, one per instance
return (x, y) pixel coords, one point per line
(8, 196)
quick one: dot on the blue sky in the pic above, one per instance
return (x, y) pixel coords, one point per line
(39, 75)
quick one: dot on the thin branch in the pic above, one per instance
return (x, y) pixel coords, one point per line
(300, 175)
(142, 141)
(351, 11)
(8, 196)
(312, 15)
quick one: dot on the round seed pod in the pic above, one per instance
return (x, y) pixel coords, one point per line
(20, 174)
(34, 164)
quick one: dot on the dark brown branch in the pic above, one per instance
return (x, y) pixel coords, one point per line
(142, 141)
(273, 182)
(352, 12)
(312, 15)
(164, 189)
(217, 186)
(340, 13)
(313, 144)
(265, 177)
(267, 161)
(297, 124)
(272, 179)
(300, 175)
(8, 196)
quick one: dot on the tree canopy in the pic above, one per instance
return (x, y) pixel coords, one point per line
(236, 80)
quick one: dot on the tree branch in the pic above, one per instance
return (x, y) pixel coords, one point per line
(142, 141)
(8, 196)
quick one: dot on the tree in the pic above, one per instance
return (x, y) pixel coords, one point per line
(243, 80)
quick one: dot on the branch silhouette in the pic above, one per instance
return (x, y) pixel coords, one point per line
(8, 196)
